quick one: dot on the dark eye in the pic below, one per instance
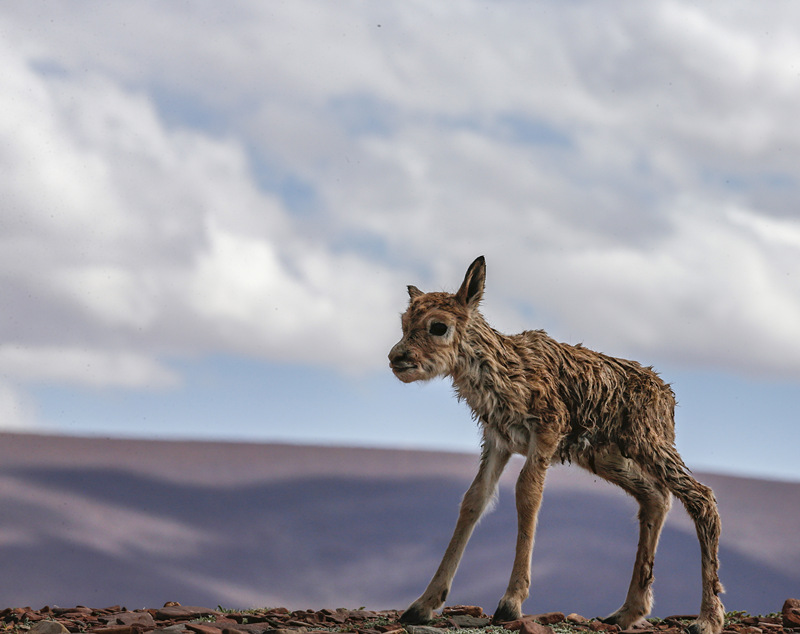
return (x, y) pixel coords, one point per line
(437, 329)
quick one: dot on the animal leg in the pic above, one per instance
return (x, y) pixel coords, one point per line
(476, 499)
(702, 508)
(654, 503)
(530, 486)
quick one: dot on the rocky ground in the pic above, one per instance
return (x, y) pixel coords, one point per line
(176, 619)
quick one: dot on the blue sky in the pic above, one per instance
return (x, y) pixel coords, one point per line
(209, 213)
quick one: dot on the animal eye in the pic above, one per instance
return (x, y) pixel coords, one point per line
(437, 329)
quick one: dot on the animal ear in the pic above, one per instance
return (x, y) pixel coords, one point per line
(414, 292)
(471, 291)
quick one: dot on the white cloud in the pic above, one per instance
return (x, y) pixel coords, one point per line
(616, 167)
(81, 366)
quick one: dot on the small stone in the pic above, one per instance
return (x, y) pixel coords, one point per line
(202, 628)
(577, 619)
(48, 627)
(118, 629)
(790, 613)
(532, 627)
(548, 618)
(170, 629)
(333, 617)
(181, 612)
(145, 619)
(469, 622)
(32, 616)
(599, 626)
(459, 610)
(80, 609)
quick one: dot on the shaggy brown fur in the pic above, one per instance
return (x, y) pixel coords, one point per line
(548, 400)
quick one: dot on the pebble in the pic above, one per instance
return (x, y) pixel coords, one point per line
(48, 627)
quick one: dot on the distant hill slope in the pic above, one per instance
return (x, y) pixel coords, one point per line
(100, 522)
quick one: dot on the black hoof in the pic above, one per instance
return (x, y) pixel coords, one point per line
(415, 616)
(505, 613)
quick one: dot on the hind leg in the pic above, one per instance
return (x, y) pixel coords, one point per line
(654, 503)
(702, 508)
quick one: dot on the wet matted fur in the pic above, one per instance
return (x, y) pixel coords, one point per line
(552, 401)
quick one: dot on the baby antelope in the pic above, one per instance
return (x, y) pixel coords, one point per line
(549, 401)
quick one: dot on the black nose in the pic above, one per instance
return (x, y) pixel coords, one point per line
(398, 357)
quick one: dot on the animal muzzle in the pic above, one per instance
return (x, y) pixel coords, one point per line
(400, 361)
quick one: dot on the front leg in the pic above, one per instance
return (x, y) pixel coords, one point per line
(476, 499)
(530, 486)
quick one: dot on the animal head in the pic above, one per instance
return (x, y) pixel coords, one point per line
(434, 325)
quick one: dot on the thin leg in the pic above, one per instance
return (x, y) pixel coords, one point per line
(530, 486)
(702, 508)
(654, 503)
(476, 499)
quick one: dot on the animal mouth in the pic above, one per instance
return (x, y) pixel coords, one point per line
(399, 368)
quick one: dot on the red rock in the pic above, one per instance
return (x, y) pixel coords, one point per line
(532, 627)
(145, 619)
(118, 629)
(599, 626)
(577, 619)
(391, 627)
(32, 616)
(183, 613)
(334, 617)
(202, 628)
(548, 618)
(790, 613)
(13, 614)
(459, 610)
(514, 625)
(80, 609)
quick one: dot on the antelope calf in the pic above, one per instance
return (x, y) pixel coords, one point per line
(551, 401)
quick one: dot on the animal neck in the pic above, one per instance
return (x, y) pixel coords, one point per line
(484, 374)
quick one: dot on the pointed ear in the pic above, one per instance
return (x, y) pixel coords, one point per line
(414, 292)
(471, 291)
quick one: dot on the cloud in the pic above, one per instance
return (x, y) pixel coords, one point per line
(80, 366)
(126, 241)
(265, 182)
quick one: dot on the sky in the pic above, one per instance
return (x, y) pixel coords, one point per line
(209, 212)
